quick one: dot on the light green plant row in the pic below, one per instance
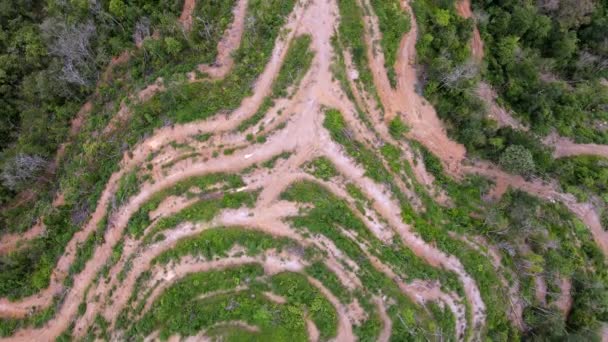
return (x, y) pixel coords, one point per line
(295, 65)
(434, 223)
(328, 217)
(301, 296)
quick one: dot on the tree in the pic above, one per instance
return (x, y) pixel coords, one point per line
(442, 17)
(507, 49)
(141, 31)
(173, 46)
(118, 8)
(517, 159)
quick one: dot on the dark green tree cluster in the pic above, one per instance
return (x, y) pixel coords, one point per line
(557, 247)
(51, 56)
(547, 60)
(450, 78)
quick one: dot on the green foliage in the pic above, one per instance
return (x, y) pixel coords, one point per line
(322, 168)
(294, 67)
(517, 159)
(303, 295)
(583, 175)
(394, 22)
(173, 46)
(296, 64)
(544, 62)
(334, 122)
(218, 241)
(127, 187)
(397, 128)
(319, 271)
(118, 8)
(351, 36)
(272, 161)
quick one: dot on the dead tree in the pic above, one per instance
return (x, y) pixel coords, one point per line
(72, 44)
(21, 169)
(141, 31)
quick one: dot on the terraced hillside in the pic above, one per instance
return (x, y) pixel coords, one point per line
(282, 170)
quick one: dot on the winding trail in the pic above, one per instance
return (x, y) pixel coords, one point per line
(565, 147)
(185, 17)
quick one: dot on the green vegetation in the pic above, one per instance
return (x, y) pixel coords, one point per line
(546, 64)
(330, 215)
(321, 168)
(351, 36)
(397, 128)
(272, 161)
(559, 246)
(89, 161)
(517, 159)
(394, 22)
(296, 64)
(334, 122)
(218, 241)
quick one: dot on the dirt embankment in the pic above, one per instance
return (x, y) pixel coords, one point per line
(496, 112)
(565, 147)
(186, 17)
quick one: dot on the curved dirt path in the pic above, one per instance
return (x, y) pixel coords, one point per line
(565, 147)
(15, 241)
(499, 114)
(227, 45)
(586, 212)
(273, 263)
(426, 127)
(186, 16)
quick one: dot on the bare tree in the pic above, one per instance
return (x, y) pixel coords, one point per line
(141, 31)
(21, 169)
(462, 72)
(72, 43)
(207, 30)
